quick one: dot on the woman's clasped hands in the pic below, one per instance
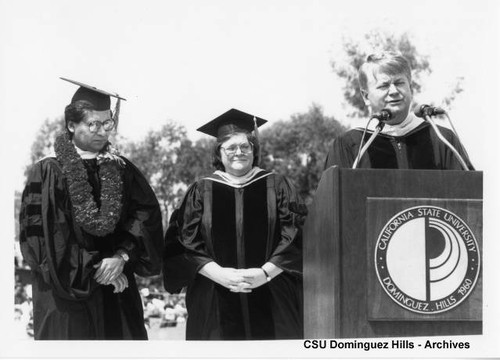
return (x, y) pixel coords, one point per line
(236, 280)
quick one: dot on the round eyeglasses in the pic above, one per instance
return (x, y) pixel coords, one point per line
(232, 149)
(107, 125)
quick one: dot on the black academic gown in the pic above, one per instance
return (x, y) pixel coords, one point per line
(418, 149)
(240, 227)
(68, 304)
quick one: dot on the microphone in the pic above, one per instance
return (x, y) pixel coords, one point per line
(425, 110)
(383, 115)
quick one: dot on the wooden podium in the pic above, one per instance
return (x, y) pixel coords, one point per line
(393, 253)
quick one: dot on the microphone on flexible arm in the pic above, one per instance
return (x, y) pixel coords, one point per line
(382, 116)
(426, 112)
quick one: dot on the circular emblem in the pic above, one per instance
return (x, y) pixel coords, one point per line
(427, 259)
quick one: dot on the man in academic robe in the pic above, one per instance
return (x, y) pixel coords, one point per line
(406, 141)
(89, 222)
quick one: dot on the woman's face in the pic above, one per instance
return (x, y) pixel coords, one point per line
(237, 155)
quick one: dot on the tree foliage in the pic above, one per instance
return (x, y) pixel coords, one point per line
(354, 53)
(44, 140)
(297, 148)
(170, 161)
(194, 159)
(155, 155)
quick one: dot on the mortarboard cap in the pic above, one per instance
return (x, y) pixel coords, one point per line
(231, 121)
(97, 97)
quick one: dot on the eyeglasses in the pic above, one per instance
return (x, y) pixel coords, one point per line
(244, 148)
(107, 125)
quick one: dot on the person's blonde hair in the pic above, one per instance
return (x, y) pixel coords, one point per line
(389, 62)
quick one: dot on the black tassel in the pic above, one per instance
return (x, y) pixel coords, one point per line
(256, 131)
(116, 114)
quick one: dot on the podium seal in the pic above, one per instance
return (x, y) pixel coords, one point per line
(427, 259)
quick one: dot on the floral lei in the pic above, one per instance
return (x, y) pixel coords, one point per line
(93, 220)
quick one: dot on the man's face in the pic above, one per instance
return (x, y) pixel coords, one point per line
(84, 138)
(392, 92)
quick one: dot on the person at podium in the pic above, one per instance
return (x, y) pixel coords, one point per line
(405, 141)
(238, 241)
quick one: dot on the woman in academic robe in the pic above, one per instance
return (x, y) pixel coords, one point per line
(235, 242)
(89, 221)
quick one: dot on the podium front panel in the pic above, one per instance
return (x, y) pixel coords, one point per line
(342, 294)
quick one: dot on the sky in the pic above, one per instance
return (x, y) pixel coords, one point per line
(189, 61)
